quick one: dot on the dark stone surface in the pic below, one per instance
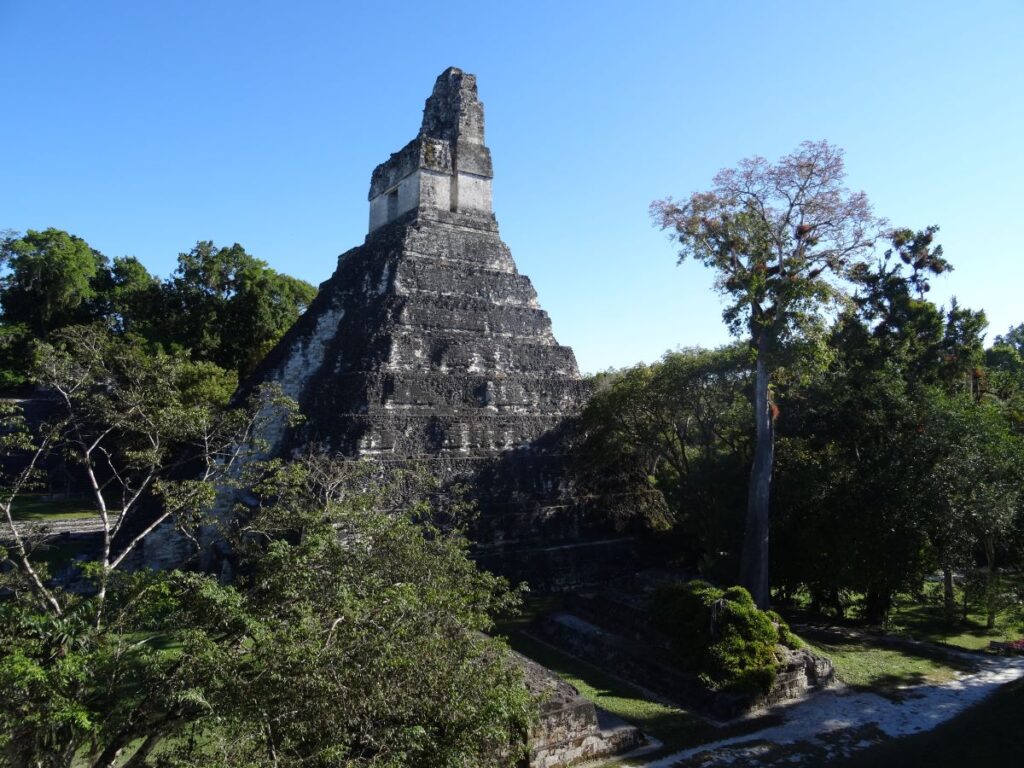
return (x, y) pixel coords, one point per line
(427, 344)
(451, 135)
(570, 728)
(613, 630)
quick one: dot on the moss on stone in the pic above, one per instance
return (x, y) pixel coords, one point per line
(721, 635)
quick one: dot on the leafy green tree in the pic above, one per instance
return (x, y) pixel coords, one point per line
(352, 639)
(76, 694)
(1014, 337)
(862, 453)
(15, 354)
(780, 239)
(228, 307)
(222, 305)
(129, 298)
(852, 515)
(49, 281)
(671, 440)
(353, 636)
(365, 626)
(1004, 374)
(976, 481)
(133, 423)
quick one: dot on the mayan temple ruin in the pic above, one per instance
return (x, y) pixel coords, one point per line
(427, 345)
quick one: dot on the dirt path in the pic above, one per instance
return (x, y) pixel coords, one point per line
(838, 721)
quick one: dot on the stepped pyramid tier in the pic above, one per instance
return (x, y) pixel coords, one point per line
(428, 344)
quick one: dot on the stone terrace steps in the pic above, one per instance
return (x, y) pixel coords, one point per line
(570, 728)
(648, 667)
(624, 643)
(428, 312)
(457, 350)
(433, 275)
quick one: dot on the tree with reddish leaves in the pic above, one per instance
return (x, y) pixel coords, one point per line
(781, 238)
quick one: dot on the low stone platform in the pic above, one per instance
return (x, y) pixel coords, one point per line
(571, 729)
(612, 630)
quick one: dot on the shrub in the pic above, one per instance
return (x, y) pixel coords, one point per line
(721, 634)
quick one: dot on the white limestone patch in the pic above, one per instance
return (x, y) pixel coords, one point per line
(813, 720)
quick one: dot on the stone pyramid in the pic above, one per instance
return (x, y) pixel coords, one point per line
(428, 344)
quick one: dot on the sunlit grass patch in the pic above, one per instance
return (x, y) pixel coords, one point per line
(861, 665)
(923, 617)
(39, 508)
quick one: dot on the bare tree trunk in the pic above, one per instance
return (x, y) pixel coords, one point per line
(138, 760)
(754, 565)
(948, 596)
(108, 757)
(991, 582)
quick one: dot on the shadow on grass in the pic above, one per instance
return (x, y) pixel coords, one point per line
(675, 727)
(887, 669)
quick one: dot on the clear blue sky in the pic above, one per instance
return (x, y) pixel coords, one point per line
(145, 126)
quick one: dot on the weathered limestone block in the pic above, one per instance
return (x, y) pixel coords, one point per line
(570, 728)
(427, 345)
(446, 167)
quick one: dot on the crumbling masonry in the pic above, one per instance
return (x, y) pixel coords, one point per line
(427, 344)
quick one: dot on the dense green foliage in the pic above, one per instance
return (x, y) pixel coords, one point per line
(895, 460)
(222, 305)
(351, 635)
(143, 435)
(227, 306)
(671, 441)
(781, 238)
(354, 639)
(722, 635)
(898, 438)
(51, 280)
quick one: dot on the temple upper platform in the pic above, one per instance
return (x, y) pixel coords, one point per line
(447, 167)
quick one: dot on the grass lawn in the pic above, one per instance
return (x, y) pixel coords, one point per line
(677, 728)
(984, 736)
(883, 669)
(922, 617)
(38, 508)
(858, 664)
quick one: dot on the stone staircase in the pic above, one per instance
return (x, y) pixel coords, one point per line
(571, 729)
(612, 630)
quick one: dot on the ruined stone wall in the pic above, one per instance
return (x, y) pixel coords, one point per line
(570, 728)
(446, 167)
(428, 345)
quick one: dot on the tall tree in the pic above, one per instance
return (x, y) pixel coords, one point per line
(354, 638)
(48, 280)
(229, 307)
(128, 420)
(976, 483)
(673, 437)
(864, 453)
(1014, 337)
(780, 238)
(128, 297)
